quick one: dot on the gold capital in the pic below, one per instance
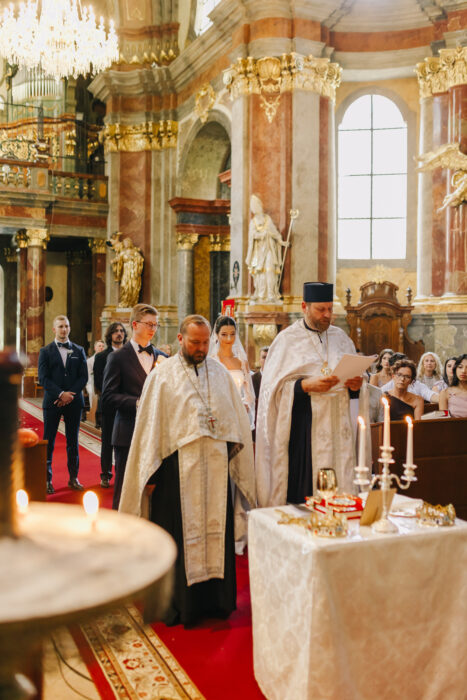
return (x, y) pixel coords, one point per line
(215, 242)
(21, 238)
(134, 138)
(97, 245)
(439, 73)
(186, 241)
(270, 76)
(37, 237)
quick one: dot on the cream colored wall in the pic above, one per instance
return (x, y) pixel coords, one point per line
(355, 276)
(56, 278)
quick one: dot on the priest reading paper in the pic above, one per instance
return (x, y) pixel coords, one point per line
(192, 435)
(303, 422)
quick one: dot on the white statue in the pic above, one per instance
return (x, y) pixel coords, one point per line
(264, 257)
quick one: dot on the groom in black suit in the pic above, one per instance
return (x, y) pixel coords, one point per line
(125, 373)
(63, 373)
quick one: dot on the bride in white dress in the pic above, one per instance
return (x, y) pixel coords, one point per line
(227, 349)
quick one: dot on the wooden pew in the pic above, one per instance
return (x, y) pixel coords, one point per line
(440, 452)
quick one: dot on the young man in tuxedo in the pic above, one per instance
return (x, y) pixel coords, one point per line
(124, 376)
(115, 338)
(63, 373)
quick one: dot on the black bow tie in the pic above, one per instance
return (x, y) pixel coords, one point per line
(147, 349)
(64, 345)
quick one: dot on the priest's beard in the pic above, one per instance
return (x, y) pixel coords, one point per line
(193, 359)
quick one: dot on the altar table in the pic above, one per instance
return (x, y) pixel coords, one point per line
(368, 617)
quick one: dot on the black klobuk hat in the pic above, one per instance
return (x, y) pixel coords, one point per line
(317, 292)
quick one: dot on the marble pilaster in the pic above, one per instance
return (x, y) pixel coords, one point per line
(21, 241)
(219, 256)
(425, 204)
(79, 296)
(99, 258)
(35, 303)
(185, 246)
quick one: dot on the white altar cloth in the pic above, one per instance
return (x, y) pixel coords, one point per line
(369, 617)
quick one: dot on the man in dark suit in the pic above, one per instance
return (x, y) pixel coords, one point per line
(115, 338)
(63, 373)
(124, 376)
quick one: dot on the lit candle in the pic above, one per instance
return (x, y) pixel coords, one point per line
(91, 506)
(22, 501)
(387, 424)
(361, 442)
(409, 456)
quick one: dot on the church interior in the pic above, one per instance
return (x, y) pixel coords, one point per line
(348, 122)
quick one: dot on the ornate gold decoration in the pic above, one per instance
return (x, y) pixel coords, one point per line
(10, 255)
(204, 101)
(215, 243)
(449, 157)
(97, 245)
(17, 148)
(439, 73)
(440, 516)
(186, 241)
(37, 237)
(225, 244)
(270, 76)
(264, 333)
(21, 238)
(149, 136)
(322, 525)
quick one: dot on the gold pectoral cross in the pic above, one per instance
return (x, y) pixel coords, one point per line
(326, 371)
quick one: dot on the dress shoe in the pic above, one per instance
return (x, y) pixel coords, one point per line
(50, 488)
(105, 483)
(74, 484)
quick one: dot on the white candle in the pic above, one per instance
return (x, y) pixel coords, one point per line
(387, 424)
(409, 456)
(91, 506)
(22, 501)
(361, 442)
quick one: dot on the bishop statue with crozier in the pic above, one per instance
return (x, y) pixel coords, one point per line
(304, 421)
(192, 436)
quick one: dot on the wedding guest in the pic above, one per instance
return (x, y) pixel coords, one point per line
(430, 372)
(416, 387)
(402, 401)
(454, 398)
(448, 375)
(383, 370)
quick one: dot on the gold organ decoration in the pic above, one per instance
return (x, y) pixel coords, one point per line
(149, 136)
(270, 76)
(450, 157)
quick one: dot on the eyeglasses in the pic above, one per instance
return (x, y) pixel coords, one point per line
(152, 326)
(405, 377)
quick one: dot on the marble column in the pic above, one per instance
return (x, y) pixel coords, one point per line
(185, 245)
(8, 260)
(79, 296)
(456, 233)
(35, 302)
(98, 273)
(21, 240)
(425, 205)
(219, 256)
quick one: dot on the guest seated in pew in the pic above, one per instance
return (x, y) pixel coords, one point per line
(415, 387)
(448, 374)
(383, 369)
(402, 401)
(454, 398)
(429, 372)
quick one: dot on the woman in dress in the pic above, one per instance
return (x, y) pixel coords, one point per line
(430, 372)
(448, 374)
(454, 398)
(227, 349)
(383, 371)
(403, 402)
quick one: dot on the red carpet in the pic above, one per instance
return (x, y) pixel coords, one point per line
(217, 654)
(89, 468)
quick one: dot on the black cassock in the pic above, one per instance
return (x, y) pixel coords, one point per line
(213, 598)
(300, 480)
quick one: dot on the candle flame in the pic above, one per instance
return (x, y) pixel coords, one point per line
(409, 420)
(22, 499)
(384, 401)
(361, 422)
(90, 503)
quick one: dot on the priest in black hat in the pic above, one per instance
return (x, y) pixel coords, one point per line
(303, 422)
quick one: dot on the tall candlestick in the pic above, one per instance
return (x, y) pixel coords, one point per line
(387, 424)
(361, 442)
(409, 456)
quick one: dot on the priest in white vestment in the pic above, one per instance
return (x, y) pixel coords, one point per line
(192, 435)
(303, 422)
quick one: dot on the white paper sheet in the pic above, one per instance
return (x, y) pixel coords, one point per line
(350, 366)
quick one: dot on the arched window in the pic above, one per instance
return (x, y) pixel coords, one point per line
(202, 21)
(372, 181)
